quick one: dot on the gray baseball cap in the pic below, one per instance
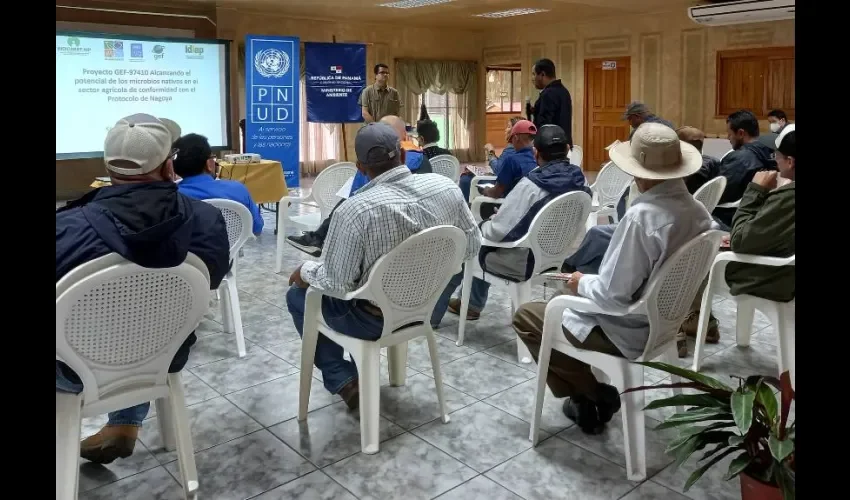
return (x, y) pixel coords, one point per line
(376, 143)
(635, 108)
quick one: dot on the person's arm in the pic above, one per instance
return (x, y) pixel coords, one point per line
(504, 178)
(762, 220)
(364, 111)
(625, 267)
(546, 112)
(364, 106)
(510, 212)
(217, 258)
(344, 252)
(255, 211)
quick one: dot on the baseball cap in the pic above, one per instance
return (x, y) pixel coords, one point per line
(376, 143)
(141, 140)
(635, 108)
(173, 128)
(523, 127)
(655, 152)
(551, 139)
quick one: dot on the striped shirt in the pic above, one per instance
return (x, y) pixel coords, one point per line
(389, 209)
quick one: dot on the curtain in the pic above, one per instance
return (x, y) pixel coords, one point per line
(415, 77)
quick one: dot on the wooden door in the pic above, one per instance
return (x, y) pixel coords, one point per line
(607, 84)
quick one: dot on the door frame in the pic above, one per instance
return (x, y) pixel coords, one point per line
(587, 103)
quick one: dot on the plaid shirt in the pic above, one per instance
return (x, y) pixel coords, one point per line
(391, 208)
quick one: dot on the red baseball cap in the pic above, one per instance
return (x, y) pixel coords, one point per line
(523, 127)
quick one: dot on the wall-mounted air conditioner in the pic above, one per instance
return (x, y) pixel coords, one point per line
(742, 12)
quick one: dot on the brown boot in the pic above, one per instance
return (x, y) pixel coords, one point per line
(689, 327)
(111, 442)
(471, 314)
(350, 393)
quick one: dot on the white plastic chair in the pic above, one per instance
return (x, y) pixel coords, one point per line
(446, 165)
(239, 223)
(483, 180)
(665, 302)
(609, 187)
(576, 156)
(118, 327)
(405, 284)
(709, 193)
(551, 238)
(781, 314)
(322, 196)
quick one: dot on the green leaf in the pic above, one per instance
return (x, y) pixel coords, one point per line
(685, 450)
(780, 449)
(736, 440)
(702, 438)
(742, 409)
(697, 429)
(699, 400)
(713, 451)
(786, 481)
(678, 385)
(787, 396)
(764, 395)
(670, 422)
(688, 375)
(737, 465)
(699, 472)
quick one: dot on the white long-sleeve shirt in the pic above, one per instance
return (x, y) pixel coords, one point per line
(385, 212)
(658, 223)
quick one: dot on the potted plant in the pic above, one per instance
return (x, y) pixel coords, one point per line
(746, 421)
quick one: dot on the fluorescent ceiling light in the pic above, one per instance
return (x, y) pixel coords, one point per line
(511, 13)
(412, 4)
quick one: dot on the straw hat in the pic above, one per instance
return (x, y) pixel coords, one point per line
(656, 153)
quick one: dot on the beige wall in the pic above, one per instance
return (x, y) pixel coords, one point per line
(672, 59)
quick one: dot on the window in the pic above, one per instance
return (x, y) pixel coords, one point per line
(442, 109)
(504, 89)
(756, 79)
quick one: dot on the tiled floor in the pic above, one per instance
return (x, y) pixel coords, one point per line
(249, 444)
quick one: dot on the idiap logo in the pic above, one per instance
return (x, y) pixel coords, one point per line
(271, 63)
(336, 69)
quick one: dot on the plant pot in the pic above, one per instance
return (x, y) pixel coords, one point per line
(753, 489)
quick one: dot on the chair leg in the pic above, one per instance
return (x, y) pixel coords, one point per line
(671, 358)
(744, 322)
(370, 398)
(183, 432)
(550, 324)
(308, 354)
(226, 310)
(784, 321)
(281, 236)
(702, 325)
(165, 417)
(397, 361)
(68, 421)
(520, 294)
(236, 315)
(634, 432)
(465, 290)
(438, 376)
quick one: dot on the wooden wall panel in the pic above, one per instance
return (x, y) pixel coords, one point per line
(693, 76)
(651, 71)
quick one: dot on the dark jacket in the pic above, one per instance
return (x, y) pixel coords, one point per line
(555, 106)
(433, 151)
(764, 225)
(739, 167)
(150, 224)
(768, 139)
(709, 170)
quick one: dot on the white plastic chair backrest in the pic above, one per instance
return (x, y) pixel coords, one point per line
(328, 182)
(118, 325)
(709, 193)
(406, 282)
(726, 154)
(610, 184)
(239, 222)
(576, 155)
(554, 230)
(446, 165)
(670, 293)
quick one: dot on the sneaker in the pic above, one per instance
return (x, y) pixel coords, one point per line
(111, 442)
(350, 393)
(307, 243)
(689, 326)
(471, 314)
(582, 411)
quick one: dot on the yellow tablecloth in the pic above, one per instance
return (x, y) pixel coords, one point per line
(264, 180)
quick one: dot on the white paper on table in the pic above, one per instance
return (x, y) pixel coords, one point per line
(345, 190)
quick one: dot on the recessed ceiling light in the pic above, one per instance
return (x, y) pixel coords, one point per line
(412, 4)
(511, 13)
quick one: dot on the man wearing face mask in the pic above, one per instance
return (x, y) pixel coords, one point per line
(778, 121)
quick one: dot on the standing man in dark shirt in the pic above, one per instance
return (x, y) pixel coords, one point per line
(554, 105)
(380, 100)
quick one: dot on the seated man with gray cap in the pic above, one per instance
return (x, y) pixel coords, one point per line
(391, 207)
(660, 221)
(143, 218)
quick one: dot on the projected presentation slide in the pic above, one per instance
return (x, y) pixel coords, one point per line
(102, 78)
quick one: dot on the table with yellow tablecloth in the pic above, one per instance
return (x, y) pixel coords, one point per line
(264, 180)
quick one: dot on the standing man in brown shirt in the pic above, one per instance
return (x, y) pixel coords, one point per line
(380, 100)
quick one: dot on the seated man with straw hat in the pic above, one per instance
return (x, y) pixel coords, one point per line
(660, 221)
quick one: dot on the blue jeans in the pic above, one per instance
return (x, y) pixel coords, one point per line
(588, 257)
(345, 317)
(68, 381)
(464, 183)
(477, 297)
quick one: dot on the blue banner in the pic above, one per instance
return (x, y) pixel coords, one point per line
(272, 88)
(335, 76)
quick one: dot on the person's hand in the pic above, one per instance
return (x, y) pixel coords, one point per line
(295, 278)
(725, 241)
(766, 179)
(572, 284)
(489, 148)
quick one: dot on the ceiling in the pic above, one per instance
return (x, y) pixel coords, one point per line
(458, 13)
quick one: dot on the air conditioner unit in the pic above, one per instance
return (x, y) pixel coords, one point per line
(743, 12)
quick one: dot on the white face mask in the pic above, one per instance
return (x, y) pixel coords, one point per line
(774, 127)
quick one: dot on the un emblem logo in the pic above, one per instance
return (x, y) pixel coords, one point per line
(271, 63)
